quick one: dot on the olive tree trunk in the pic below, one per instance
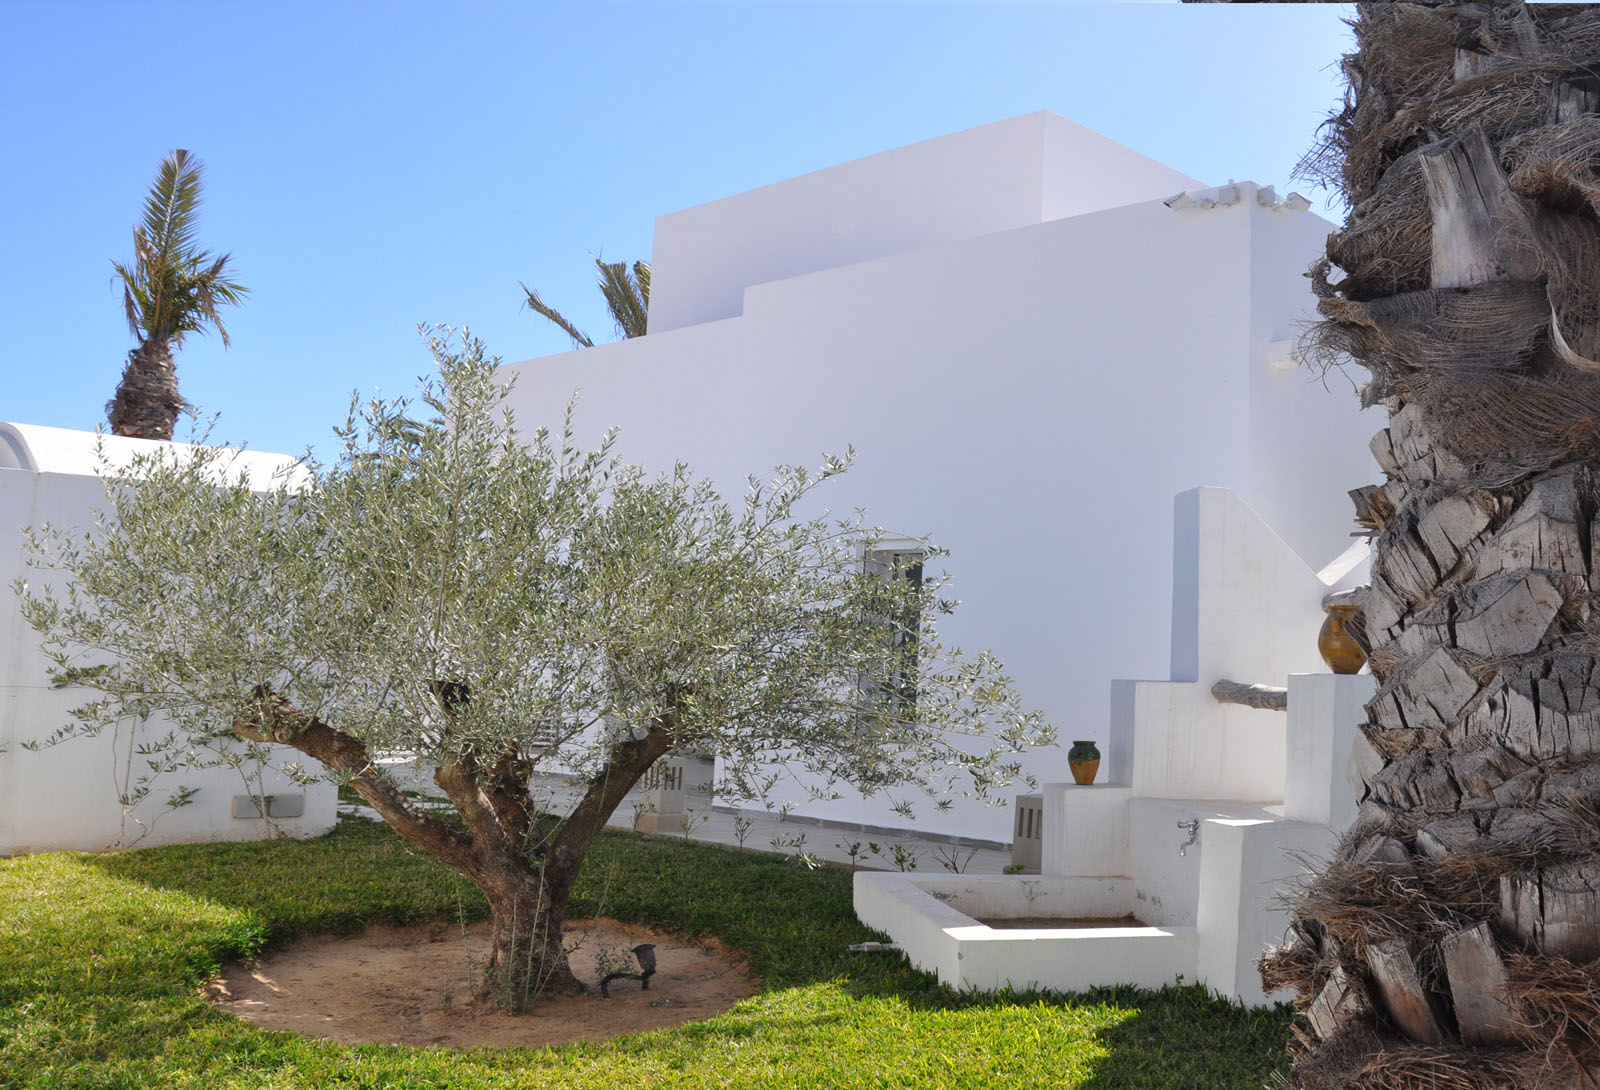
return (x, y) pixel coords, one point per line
(525, 863)
(1453, 941)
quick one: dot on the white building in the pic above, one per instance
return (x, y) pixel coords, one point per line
(67, 796)
(1031, 353)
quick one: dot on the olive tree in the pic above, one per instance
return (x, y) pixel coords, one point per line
(503, 604)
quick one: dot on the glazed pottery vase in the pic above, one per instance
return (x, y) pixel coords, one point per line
(1084, 760)
(1339, 650)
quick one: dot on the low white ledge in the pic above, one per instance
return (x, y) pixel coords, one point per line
(935, 921)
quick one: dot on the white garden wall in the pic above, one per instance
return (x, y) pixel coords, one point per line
(66, 797)
(1029, 378)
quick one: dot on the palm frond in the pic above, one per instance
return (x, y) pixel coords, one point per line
(627, 296)
(621, 292)
(641, 276)
(539, 306)
(207, 290)
(131, 304)
(172, 207)
(170, 291)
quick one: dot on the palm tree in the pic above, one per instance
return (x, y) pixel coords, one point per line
(627, 296)
(173, 289)
(1454, 940)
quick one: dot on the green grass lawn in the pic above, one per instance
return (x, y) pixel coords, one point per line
(101, 958)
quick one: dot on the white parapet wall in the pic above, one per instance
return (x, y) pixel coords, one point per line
(67, 796)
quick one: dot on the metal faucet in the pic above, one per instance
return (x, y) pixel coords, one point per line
(1193, 825)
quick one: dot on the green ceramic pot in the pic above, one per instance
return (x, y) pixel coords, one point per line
(1084, 760)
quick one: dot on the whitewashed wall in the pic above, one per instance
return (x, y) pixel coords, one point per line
(66, 797)
(1032, 396)
(1013, 173)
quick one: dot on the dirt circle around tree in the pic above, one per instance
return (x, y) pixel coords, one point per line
(415, 986)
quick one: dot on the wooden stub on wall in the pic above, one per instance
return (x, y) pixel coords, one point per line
(1266, 697)
(1480, 231)
(1399, 985)
(1478, 981)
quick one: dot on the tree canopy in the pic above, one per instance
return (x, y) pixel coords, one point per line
(503, 603)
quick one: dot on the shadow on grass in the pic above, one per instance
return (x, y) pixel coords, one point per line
(1187, 1037)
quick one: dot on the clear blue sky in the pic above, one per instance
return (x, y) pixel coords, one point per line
(375, 165)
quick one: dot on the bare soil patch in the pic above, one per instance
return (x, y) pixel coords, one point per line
(415, 986)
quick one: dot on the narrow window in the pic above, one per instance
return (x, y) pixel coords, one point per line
(900, 565)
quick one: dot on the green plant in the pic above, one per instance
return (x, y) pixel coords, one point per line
(626, 292)
(902, 857)
(691, 821)
(495, 601)
(951, 857)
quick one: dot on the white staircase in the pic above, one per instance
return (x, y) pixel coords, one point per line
(1248, 794)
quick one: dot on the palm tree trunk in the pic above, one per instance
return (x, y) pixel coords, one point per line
(147, 402)
(1453, 941)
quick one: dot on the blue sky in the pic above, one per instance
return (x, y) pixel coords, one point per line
(371, 166)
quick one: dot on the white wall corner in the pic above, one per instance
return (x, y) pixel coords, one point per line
(1247, 869)
(1085, 830)
(1186, 586)
(1325, 714)
(1246, 607)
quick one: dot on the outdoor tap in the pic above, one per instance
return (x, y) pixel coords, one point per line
(1193, 825)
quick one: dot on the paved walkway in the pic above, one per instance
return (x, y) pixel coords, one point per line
(756, 830)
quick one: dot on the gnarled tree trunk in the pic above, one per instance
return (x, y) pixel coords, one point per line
(525, 864)
(528, 957)
(147, 402)
(1453, 942)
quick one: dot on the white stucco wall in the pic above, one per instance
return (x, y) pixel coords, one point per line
(66, 796)
(86, 453)
(991, 178)
(1033, 397)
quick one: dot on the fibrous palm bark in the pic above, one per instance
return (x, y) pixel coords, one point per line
(1453, 941)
